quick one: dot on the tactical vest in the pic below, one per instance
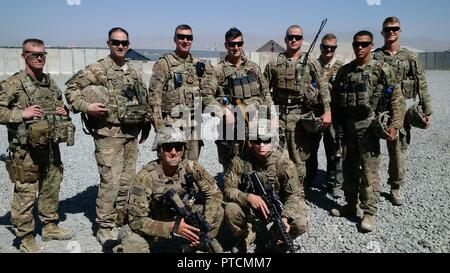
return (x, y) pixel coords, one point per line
(404, 66)
(52, 128)
(268, 176)
(159, 187)
(241, 83)
(183, 86)
(293, 83)
(127, 103)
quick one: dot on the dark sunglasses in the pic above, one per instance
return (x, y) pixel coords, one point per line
(296, 37)
(328, 47)
(234, 44)
(36, 55)
(361, 44)
(389, 29)
(181, 37)
(119, 42)
(260, 141)
(170, 146)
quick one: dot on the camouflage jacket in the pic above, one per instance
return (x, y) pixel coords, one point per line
(361, 92)
(278, 170)
(295, 86)
(176, 81)
(245, 82)
(150, 215)
(105, 73)
(21, 91)
(329, 71)
(410, 74)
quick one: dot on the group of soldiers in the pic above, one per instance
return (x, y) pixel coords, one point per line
(353, 106)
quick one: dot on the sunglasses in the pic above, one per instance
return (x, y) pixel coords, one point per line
(389, 29)
(328, 47)
(119, 42)
(36, 55)
(168, 147)
(361, 44)
(260, 141)
(234, 44)
(181, 37)
(296, 37)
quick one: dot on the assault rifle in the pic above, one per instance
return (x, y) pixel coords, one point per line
(195, 219)
(275, 207)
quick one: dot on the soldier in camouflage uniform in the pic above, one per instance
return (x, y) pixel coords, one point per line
(245, 209)
(175, 87)
(327, 66)
(150, 217)
(237, 83)
(297, 89)
(29, 100)
(115, 126)
(362, 90)
(411, 77)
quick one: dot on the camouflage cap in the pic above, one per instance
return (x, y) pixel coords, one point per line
(380, 125)
(95, 94)
(416, 117)
(168, 135)
(311, 123)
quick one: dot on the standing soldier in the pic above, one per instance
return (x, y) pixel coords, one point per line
(113, 102)
(363, 90)
(245, 207)
(175, 90)
(150, 215)
(236, 83)
(298, 89)
(32, 108)
(327, 66)
(411, 78)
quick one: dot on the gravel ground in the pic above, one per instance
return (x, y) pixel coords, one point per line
(422, 226)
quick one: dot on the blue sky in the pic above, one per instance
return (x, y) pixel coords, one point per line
(151, 23)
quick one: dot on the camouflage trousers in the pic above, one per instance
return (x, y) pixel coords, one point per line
(194, 143)
(39, 173)
(132, 242)
(397, 157)
(238, 219)
(296, 140)
(333, 154)
(361, 162)
(116, 160)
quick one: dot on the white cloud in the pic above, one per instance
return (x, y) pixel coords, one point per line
(73, 2)
(374, 2)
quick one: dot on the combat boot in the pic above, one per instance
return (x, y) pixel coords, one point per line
(243, 243)
(368, 223)
(104, 236)
(344, 211)
(52, 232)
(397, 198)
(28, 245)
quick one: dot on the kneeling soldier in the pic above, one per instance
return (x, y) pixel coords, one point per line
(150, 214)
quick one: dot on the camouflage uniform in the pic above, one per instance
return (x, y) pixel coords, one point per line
(228, 85)
(35, 165)
(116, 143)
(149, 215)
(176, 86)
(411, 76)
(360, 93)
(277, 170)
(297, 91)
(332, 147)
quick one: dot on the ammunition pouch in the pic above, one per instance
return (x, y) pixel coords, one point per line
(64, 132)
(133, 114)
(39, 133)
(409, 88)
